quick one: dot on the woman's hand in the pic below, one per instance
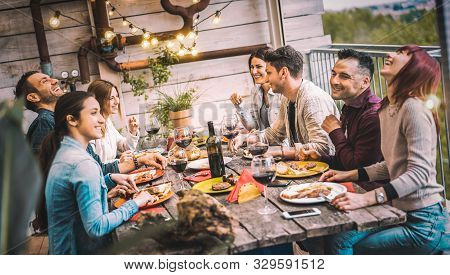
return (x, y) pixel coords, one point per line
(127, 181)
(334, 175)
(305, 154)
(126, 156)
(143, 198)
(133, 125)
(351, 201)
(153, 160)
(236, 99)
(119, 190)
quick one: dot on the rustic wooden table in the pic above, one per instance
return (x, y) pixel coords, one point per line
(256, 231)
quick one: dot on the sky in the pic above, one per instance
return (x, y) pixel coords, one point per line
(346, 4)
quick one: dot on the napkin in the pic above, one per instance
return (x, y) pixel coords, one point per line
(349, 186)
(199, 176)
(247, 188)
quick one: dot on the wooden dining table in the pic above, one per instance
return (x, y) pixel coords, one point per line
(258, 231)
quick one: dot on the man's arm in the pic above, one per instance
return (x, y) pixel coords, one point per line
(276, 133)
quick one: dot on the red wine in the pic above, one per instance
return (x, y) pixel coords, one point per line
(258, 149)
(152, 131)
(265, 177)
(183, 143)
(231, 135)
(215, 156)
(179, 165)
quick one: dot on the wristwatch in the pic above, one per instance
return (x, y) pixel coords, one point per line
(379, 196)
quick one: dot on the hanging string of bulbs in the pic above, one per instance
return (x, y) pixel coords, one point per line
(147, 39)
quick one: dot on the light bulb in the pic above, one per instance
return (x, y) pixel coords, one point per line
(154, 41)
(194, 52)
(54, 20)
(216, 19)
(170, 45)
(180, 37)
(195, 1)
(146, 35)
(109, 35)
(107, 2)
(182, 52)
(145, 44)
(111, 13)
(125, 22)
(197, 18)
(191, 35)
(134, 30)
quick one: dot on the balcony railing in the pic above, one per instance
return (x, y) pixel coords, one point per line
(321, 61)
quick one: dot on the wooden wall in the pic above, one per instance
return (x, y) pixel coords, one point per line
(243, 23)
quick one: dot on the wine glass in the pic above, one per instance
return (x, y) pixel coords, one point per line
(229, 127)
(152, 127)
(257, 143)
(264, 171)
(182, 136)
(178, 161)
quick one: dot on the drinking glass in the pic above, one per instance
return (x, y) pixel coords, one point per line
(182, 136)
(229, 127)
(178, 161)
(264, 171)
(257, 143)
(152, 127)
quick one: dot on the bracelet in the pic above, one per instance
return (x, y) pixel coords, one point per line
(136, 164)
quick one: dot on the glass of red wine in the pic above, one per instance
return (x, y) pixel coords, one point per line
(264, 171)
(152, 127)
(182, 136)
(178, 161)
(257, 143)
(229, 127)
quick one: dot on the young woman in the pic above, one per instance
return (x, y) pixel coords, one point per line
(408, 142)
(112, 141)
(264, 105)
(76, 190)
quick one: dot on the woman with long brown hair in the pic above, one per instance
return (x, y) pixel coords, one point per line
(76, 193)
(112, 142)
(408, 142)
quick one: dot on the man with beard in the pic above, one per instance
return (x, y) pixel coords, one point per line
(356, 136)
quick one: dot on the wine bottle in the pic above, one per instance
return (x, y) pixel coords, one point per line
(215, 156)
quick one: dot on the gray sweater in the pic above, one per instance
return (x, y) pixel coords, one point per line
(408, 144)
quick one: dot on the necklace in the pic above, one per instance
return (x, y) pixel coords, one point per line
(392, 109)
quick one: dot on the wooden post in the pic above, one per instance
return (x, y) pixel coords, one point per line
(276, 25)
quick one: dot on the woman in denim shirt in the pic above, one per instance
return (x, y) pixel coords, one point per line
(264, 105)
(76, 190)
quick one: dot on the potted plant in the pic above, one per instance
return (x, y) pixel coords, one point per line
(175, 111)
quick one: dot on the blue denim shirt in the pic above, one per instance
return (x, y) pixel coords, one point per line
(76, 196)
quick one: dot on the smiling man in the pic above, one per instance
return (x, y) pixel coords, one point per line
(356, 136)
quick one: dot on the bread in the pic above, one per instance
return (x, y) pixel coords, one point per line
(220, 186)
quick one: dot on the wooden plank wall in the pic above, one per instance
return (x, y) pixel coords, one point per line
(243, 23)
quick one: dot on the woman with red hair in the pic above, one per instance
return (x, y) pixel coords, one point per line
(408, 142)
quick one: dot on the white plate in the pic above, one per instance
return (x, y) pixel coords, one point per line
(337, 190)
(201, 164)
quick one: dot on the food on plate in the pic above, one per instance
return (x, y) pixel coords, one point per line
(157, 192)
(295, 168)
(203, 154)
(199, 140)
(144, 176)
(220, 186)
(247, 154)
(314, 190)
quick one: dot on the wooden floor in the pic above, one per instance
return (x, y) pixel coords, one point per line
(37, 245)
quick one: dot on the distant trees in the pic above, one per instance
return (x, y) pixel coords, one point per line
(363, 27)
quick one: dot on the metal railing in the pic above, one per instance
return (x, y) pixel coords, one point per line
(322, 60)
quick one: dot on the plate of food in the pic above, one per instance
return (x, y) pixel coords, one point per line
(199, 141)
(144, 175)
(202, 164)
(215, 185)
(152, 150)
(313, 192)
(300, 169)
(247, 155)
(159, 194)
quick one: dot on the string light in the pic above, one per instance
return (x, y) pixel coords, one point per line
(180, 37)
(109, 35)
(111, 12)
(182, 52)
(194, 51)
(145, 44)
(191, 35)
(170, 45)
(197, 18)
(125, 23)
(134, 30)
(195, 1)
(146, 34)
(154, 41)
(107, 2)
(54, 20)
(216, 18)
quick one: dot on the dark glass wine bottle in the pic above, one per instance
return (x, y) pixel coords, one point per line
(215, 156)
